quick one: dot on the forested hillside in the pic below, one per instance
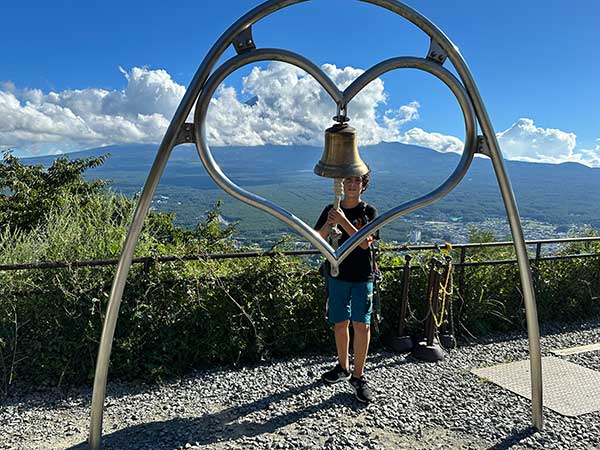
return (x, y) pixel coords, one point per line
(561, 195)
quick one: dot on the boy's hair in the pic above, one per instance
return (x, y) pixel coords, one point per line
(366, 178)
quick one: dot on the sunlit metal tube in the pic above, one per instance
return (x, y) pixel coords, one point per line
(505, 188)
(183, 110)
(114, 302)
(467, 156)
(533, 331)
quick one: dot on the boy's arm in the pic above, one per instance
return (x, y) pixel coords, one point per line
(322, 226)
(366, 244)
(341, 218)
(324, 230)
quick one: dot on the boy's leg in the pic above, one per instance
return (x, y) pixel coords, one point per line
(357, 380)
(362, 306)
(342, 342)
(362, 337)
(339, 315)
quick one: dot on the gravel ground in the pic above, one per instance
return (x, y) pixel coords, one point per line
(282, 405)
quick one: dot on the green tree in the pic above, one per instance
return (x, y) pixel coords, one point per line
(28, 193)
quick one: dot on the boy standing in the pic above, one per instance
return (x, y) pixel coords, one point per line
(351, 292)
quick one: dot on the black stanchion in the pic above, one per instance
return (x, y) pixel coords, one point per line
(429, 349)
(402, 343)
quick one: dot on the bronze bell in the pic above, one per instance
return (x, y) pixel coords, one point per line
(340, 157)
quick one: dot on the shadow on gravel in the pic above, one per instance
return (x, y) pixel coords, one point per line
(513, 439)
(385, 359)
(217, 427)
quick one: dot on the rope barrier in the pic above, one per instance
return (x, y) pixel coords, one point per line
(445, 293)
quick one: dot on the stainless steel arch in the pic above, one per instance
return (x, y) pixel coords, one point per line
(170, 140)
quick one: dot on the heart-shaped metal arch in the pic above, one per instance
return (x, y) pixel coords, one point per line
(335, 257)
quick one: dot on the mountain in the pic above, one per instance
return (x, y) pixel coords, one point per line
(561, 195)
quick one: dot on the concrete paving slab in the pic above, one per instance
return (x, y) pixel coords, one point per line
(569, 389)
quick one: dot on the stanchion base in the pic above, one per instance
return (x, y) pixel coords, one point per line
(401, 344)
(429, 353)
(448, 341)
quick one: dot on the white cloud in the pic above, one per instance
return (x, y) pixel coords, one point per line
(148, 92)
(33, 121)
(287, 107)
(589, 157)
(290, 107)
(436, 141)
(524, 141)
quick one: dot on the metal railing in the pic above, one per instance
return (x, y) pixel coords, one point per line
(148, 261)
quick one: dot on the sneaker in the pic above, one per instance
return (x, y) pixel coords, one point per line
(335, 375)
(361, 389)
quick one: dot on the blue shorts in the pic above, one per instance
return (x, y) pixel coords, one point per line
(349, 300)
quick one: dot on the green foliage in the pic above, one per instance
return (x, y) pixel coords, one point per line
(27, 193)
(50, 320)
(487, 299)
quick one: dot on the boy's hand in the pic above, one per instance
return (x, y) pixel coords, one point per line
(336, 216)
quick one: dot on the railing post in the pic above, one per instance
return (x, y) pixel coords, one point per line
(434, 304)
(404, 300)
(447, 336)
(461, 274)
(430, 292)
(429, 350)
(535, 266)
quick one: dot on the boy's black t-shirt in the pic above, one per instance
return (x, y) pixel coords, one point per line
(357, 266)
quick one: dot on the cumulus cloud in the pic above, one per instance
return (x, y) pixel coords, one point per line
(75, 119)
(436, 141)
(525, 141)
(589, 157)
(286, 106)
(289, 107)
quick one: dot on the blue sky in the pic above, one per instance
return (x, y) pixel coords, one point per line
(75, 75)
